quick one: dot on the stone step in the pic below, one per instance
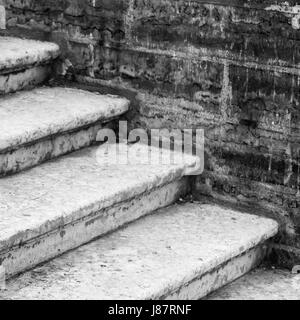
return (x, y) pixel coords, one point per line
(261, 284)
(24, 63)
(181, 252)
(67, 202)
(47, 122)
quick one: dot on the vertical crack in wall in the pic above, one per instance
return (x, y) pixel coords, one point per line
(226, 93)
(128, 22)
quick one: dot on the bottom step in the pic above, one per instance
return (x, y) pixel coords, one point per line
(181, 252)
(262, 285)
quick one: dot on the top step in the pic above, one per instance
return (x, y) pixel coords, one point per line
(19, 54)
(25, 63)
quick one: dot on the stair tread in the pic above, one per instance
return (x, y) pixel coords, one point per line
(149, 258)
(37, 201)
(19, 53)
(32, 115)
(262, 284)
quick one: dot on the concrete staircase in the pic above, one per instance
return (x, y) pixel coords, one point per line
(63, 201)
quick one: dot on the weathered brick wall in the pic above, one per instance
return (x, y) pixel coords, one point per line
(231, 67)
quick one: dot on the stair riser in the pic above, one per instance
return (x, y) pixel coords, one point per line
(46, 247)
(44, 150)
(24, 79)
(219, 277)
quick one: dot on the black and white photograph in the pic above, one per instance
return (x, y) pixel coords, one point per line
(149, 152)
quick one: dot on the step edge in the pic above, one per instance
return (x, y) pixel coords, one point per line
(171, 192)
(216, 263)
(85, 218)
(23, 68)
(142, 188)
(103, 120)
(50, 53)
(255, 257)
(120, 103)
(253, 243)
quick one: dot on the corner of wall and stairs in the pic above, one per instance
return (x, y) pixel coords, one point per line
(230, 69)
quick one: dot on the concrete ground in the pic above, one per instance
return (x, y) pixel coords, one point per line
(262, 284)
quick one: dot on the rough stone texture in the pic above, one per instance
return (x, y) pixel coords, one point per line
(19, 54)
(285, 256)
(230, 67)
(46, 122)
(221, 275)
(36, 114)
(2, 17)
(262, 285)
(153, 258)
(26, 79)
(67, 202)
(24, 63)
